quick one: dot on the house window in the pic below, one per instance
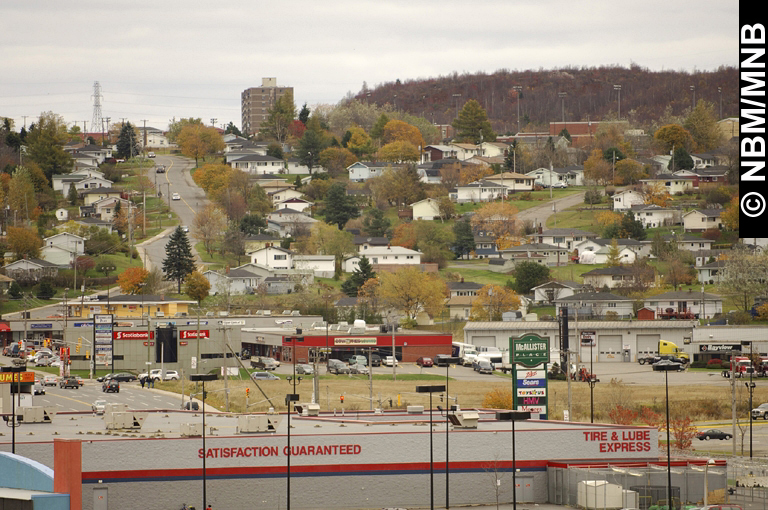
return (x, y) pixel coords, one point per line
(280, 257)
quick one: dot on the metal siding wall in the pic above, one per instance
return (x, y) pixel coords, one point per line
(609, 348)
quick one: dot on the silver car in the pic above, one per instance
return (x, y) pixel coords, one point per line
(305, 369)
(357, 368)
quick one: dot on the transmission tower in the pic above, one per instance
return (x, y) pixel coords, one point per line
(96, 122)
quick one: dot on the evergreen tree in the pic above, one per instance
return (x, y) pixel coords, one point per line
(339, 207)
(179, 261)
(375, 224)
(359, 276)
(311, 145)
(304, 114)
(472, 125)
(14, 291)
(128, 142)
(72, 195)
(465, 238)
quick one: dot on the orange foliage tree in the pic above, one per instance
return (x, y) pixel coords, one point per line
(622, 415)
(498, 398)
(131, 279)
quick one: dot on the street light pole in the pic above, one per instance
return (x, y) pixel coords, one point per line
(431, 389)
(202, 378)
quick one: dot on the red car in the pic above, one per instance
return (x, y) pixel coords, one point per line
(424, 362)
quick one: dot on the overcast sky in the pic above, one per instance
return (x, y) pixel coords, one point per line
(156, 60)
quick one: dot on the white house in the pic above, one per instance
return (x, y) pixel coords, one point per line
(283, 194)
(293, 167)
(155, 138)
(363, 170)
(427, 209)
(596, 304)
(567, 237)
(465, 151)
(624, 200)
(478, 191)
(96, 151)
(700, 220)
(702, 305)
(69, 242)
(62, 214)
(711, 272)
(58, 180)
(323, 266)
(384, 256)
(640, 248)
(31, 269)
(610, 277)
(674, 184)
(652, 216)
(235, 281)
(494, 149)
(91, 183)
(548, 176)
(550, 254)
(364, 243)
(258, 164)
(513, 181)
(273, 257)
(548, 292)
(297, 204)
(105, 208)
(287, 222)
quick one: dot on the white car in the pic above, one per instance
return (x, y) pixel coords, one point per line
(389, 360)
(50, 380)
(184, 228)
(175, 196)
(150, 154)
(156, 373)
(98, 406)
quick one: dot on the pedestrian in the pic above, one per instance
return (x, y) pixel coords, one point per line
(142, 380)
(151, 381)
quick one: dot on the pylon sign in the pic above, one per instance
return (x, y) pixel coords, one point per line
(529, 355)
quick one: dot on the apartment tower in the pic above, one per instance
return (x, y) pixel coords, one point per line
(256, 102)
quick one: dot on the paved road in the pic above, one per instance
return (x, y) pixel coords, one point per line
(176, 179)
(541, 213)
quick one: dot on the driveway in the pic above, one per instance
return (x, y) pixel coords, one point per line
(541, 213)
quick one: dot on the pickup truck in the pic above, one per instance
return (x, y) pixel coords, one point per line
(760, 411)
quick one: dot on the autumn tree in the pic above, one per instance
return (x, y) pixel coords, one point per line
(24, 242)
(209, 226)
(197, 141)
(499, 219)
(130, 281)
(730, 215)
(702, 125)
(744, 276)
(399, 151)
(327, 239)
(336, 160)
(472, 124)
(656, 194)
(413, 291)
(398, 186)
(44, 144)
(197, 286)
(492, 301)
(613, 259)
(672, 136)
(359, 143)
(21, 195)
(279, 118)
(597, 169)
(176, 126)
(399, 131)
(472, 173)
(629, 171)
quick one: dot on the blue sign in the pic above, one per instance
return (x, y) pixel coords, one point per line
(531, 383)
(41, 326)
(83, 324)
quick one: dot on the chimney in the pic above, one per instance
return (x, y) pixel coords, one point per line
(540, 229)
(462, 279)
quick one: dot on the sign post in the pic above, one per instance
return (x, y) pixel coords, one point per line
(103, 342)
(529, 355)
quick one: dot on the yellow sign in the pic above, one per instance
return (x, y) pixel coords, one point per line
(26, 377)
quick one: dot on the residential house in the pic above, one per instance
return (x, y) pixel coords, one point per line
(465, 151)
(322, 266)
(572, 175)
(152, 138)
(552, 255)
(297, 204)
(652, 215)
(58, 180)
(494, 149)
(548, 292)
(83, 162)
(96, 151)
(710, 272)
(431, 170)
(273, 257)
(567, 237)
(62, 214)
(624, 200)
(460, 307)
(92, 196)
(90, 221)
(363, 170)
(62, 249)
(687, 242)
(640, 248)
(485, 246)
(478, 191)
(674, 184)
(463, 289)
(438, 152)
(610, 277)
(364, 243)
(258, 164)
(238, 144)
(31, 269)
(427, 209)
(596, 305)
(295, 167)
(105, 208)
(283, 194)
(512, 181)
(233, 282)
(702, 159)
(288, 222)
(384, 258)
(700, 220)
(676, 303)
(279, 285)
(510, 260)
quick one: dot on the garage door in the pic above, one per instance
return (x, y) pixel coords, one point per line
(487, 341)
(647, 345)
(609, 347)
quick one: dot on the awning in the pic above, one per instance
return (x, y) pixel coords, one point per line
(4, 327)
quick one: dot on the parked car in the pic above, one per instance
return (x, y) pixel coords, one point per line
(357, 368)
(39, 389)
(713, 434)
(263, 363)
(357, 359)
(124, 377)
(150, 154)
(425, 361)
(98, 406)
(69, 382)
(389, 361)
(157, 373)
(375, 360)
(271, 360)
(665, 364)
(336, 366)
(560, 185)
(484, 367)
(760, 411)
(50, 380)
(264, 376)
(305, 369)
(111, 386)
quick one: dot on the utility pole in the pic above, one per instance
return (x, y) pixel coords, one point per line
(618, 89)
(145, 133)
(213, 121)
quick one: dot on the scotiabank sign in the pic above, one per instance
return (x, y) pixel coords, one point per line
(133, 335)
(192, 333)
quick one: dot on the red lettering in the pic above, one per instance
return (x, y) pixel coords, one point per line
(358, 449)
(200, 453)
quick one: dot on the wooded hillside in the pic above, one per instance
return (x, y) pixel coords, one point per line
(645, 95)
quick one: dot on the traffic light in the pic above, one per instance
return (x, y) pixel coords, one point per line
(87, 354)
(247, 392)
(77, 348)
(341, 398)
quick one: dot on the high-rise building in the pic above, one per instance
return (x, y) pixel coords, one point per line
(256, 102)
